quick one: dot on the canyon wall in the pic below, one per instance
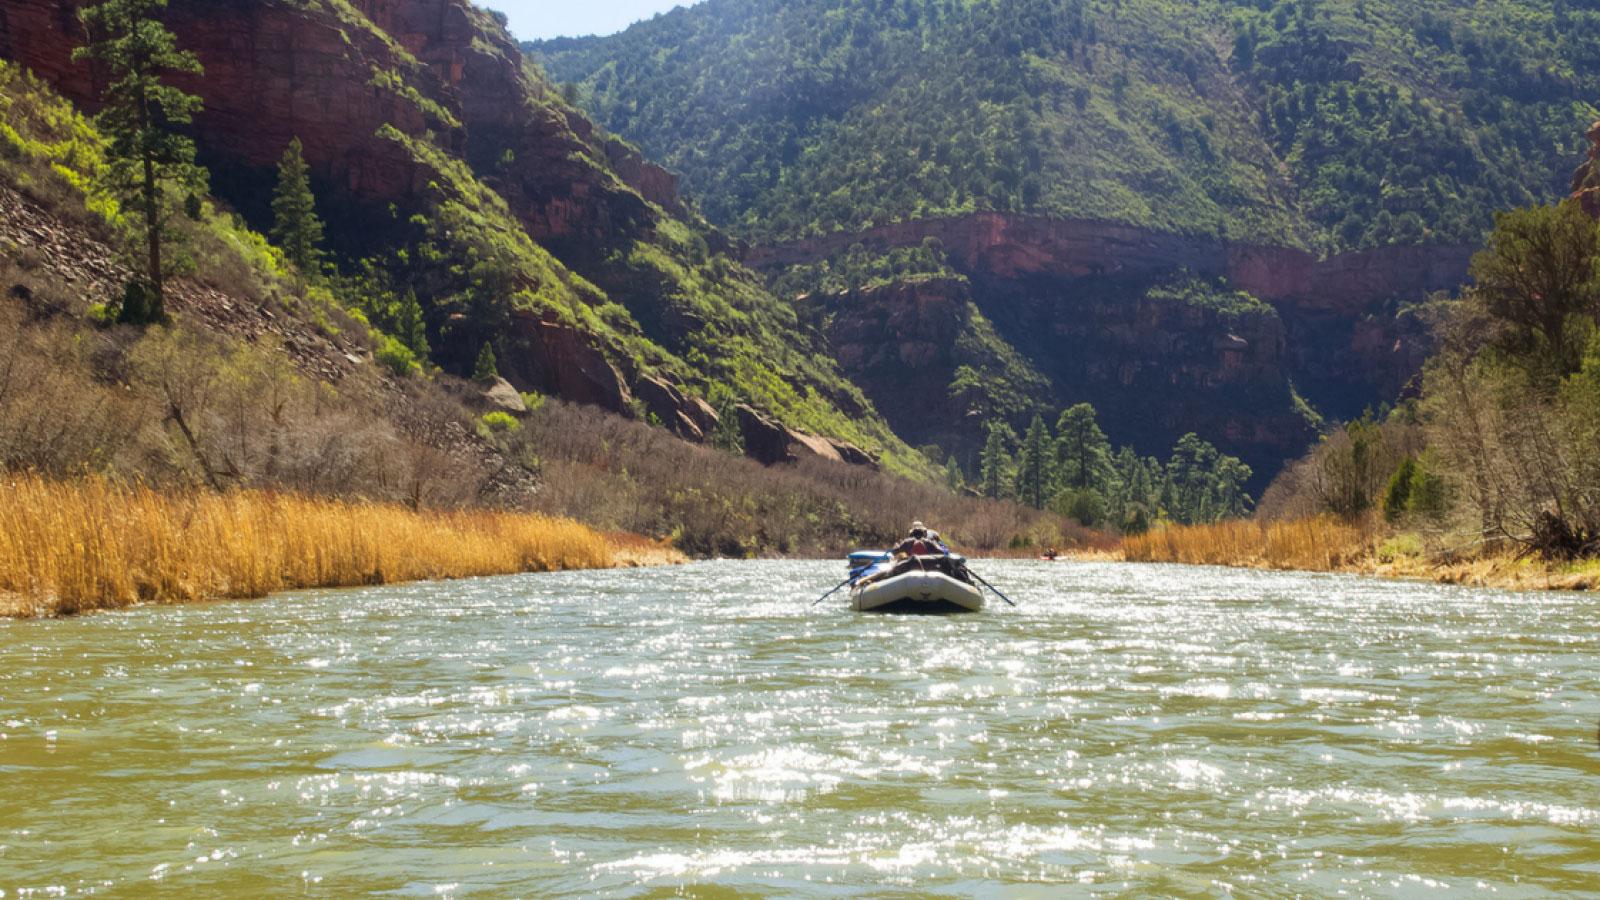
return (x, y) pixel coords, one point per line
(474, 117)
(1007, 246)
(1155, 368)
(440, 72)
(1073, 298)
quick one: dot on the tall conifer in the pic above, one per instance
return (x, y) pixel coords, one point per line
(295, 226)
(1034, 465)
(996, 460)
(151, 166)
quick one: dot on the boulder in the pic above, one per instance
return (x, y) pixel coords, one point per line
(704, 415)
(770, 443)
(855, 456)
(800, 442)
(560, 361)
(503, 397)
(765, 441)
(669, 404)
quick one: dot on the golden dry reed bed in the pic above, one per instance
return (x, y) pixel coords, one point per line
(1321, 544)
(1328, 544)
(73, 546)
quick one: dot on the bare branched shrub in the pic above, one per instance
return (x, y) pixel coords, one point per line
(1345, 474)
(1515, 455)
(55, 418)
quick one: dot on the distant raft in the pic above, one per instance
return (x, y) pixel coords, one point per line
(920, 584)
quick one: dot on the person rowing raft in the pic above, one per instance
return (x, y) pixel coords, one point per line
(921, 542)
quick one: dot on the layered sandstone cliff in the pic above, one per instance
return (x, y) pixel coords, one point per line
(1008, 246)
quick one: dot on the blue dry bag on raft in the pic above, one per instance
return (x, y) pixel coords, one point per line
(863, 560)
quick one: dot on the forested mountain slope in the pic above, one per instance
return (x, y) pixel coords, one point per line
(450, 172)
(1104, 175)
(1330, 124)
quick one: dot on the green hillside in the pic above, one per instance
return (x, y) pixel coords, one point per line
(1330, 124)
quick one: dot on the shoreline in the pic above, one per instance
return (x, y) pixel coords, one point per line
(71, 547)
(628, 554)
(1505, 573)
(1329, 545)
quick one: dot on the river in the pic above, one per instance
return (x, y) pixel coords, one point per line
(1125, 728)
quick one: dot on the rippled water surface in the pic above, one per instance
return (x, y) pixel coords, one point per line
(1127, 728)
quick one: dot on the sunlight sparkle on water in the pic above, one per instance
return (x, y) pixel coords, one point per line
(1147, 729)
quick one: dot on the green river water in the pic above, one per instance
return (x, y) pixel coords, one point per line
(1127, 729)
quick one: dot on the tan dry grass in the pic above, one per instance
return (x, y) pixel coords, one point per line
(73, 546)
(1328, 544)
(1321, 544)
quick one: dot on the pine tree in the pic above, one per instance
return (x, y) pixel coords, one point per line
(150, 166)
(1190, 476)
(1034, 468)
(295, 226)
(996, 460)
(487, 367)
(1230, 477)
(954, 478)
(410, 326)
(1083, 454)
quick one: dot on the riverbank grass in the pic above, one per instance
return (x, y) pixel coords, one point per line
(1320, 544)
(1328, 544)
(73, 546)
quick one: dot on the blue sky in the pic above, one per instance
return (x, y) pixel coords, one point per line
(533, 20)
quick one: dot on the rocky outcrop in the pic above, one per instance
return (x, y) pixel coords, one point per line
(559, 360)
(765, 441)
(501, 396)
(1157, 369)
(1066, 293)
(770, 443)
(555, 188)
(276, 70)
(345, 76)
(651, 181)
(1155, 366)
(688, 417)
(273, 72)
(899, 343)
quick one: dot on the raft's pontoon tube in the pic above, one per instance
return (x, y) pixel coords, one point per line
(917, 591)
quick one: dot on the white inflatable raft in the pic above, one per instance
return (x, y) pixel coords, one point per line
(917, 592)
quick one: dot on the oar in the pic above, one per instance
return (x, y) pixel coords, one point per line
(990, 586)
(835, 589)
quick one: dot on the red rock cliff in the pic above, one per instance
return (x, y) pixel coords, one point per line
(1344, 344)
(272, 72)
(439, 70)
(1012, 246)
